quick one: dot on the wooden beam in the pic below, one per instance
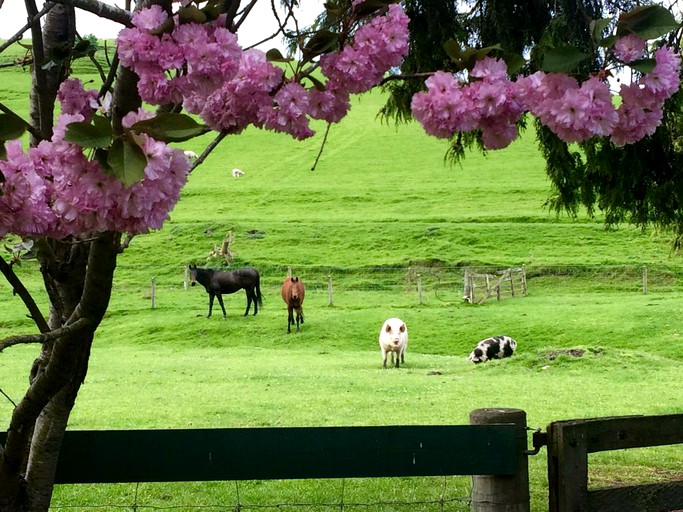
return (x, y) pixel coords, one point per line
(119, 456)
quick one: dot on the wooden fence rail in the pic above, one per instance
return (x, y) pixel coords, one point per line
(128, 456)
(490, 446)
(570, 442)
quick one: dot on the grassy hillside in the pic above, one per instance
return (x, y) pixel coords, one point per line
(380, 201)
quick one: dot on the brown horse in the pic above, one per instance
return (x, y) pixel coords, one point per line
(293, 293)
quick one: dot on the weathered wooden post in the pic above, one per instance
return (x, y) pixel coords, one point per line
(186, 277)
(330, 291)
(419, 287)
(468, 291)
(502, 493)
(644, 280)
(154, 291)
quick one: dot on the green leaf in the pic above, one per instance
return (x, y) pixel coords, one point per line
(648, 22)
(370, 6)
(191, 14)
(514, 62)
(597, 27)
(169, 127)
(562, 59)
(323, 41)
(609, 41)
(87, 135)
(83, 48)
(274, 55)
(643, 65)
(454, 51)
(11, 127)
(467, 58)
(127, 162)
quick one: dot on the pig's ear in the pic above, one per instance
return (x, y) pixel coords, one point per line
(388, 328)
(403, 328)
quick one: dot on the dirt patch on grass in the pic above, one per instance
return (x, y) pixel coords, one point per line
(573, 352)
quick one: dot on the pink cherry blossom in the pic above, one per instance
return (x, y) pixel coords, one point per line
(150, 18)
(630, 48)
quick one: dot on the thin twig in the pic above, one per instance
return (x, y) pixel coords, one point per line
(322, 146)
(414, 76)
(25, 295)
(7, 397)
(212, 145)
(91, 56)
(20, 34)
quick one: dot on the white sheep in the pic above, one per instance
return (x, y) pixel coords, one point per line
(236, 173)
(393, 338)
(191, 155)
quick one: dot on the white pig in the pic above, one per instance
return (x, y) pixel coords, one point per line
(393, 337)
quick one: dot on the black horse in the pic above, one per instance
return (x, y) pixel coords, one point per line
(218, 283)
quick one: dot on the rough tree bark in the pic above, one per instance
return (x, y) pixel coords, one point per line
(77, 275)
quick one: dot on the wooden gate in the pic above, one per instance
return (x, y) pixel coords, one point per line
(570, 442)
(482, 286)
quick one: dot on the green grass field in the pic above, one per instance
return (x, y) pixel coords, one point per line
(380, 201)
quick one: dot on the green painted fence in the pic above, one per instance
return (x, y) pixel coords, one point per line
(118, 456)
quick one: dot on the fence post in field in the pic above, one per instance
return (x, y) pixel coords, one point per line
(502, 493)
(419, 287)
(644, 280)
(468, 291)
(330, 291)
(154, 291)
(186, 278)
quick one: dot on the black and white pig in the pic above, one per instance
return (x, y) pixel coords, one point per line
(495, 347)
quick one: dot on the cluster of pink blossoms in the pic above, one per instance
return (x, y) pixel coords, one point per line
(490, 104)
(574, 112)
(54, 190)
(202, 66)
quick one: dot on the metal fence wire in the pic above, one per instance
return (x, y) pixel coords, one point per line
(437, 284)
(648, 497)
(235, 497)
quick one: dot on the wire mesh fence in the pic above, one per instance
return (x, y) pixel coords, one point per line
(434, 284)
(414, 494)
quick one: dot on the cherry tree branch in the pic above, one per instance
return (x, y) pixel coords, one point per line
(67, 330)
(322, 147)
(101, 9)
(207, 151)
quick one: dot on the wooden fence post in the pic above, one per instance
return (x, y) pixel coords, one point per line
(468, 292)
(330, 291)
(502, 493)
(154, 291)
(419, 287)
(644, 280)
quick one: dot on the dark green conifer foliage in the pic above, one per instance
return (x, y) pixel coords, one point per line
(640, 183)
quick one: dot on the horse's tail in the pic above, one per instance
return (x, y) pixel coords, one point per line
(259, 297)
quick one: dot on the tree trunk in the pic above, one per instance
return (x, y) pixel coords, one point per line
(29, 459)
